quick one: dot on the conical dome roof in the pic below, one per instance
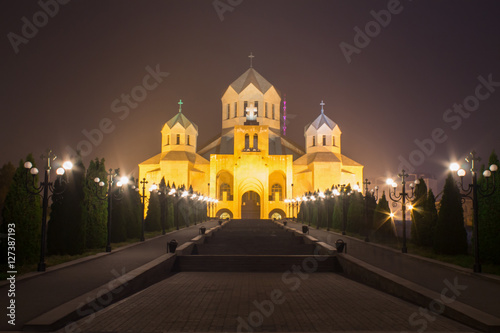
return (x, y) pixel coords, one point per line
(321, 120)
(179, 118)
(251, 76)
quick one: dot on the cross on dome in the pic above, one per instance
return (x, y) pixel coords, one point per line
(180, 105)
(322, 104)
(251, 112)
(251, 56)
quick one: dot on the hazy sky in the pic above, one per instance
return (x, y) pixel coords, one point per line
(389, 72)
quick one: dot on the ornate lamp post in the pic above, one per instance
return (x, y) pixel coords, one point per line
(46, 186)
(374, 192)
(110, 196)
(472, 192)
(401, 197)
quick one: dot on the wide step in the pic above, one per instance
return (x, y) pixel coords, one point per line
(259, 263)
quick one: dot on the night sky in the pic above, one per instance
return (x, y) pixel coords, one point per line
(396, 88)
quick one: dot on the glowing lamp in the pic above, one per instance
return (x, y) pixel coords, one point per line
(493, 167)
(97, 180)
(28, 165)
(454, 167)
(487, 173)
(124, 180)
(101, 184)
(60, 171)
(461, 172)
(34, 171)
(68, 165)
(389, 181)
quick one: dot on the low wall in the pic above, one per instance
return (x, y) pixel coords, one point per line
(394, 285)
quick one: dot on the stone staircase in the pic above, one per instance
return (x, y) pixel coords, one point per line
(254, 246)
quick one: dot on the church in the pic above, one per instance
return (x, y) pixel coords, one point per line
(250, 167)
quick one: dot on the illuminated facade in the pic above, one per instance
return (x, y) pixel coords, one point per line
(250, 167)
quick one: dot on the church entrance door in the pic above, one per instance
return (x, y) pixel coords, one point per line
(250, 205)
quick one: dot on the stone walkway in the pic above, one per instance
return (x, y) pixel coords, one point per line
(242, 302)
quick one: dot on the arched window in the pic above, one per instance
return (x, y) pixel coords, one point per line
(224, 187)
(333, 141)
(255, 142)
(324, 140)
(168, 140)
(266, 111)
(273, 111)
(228, 110)
(235, 109)
(314, 141)
(276, 188)
(178, 139)
(256, 105)
(247, 141)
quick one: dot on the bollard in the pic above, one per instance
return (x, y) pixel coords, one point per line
(305, 229)
(202, 230)
(171, 246)
(340, 245)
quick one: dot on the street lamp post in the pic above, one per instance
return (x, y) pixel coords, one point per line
(402, 196)
(472, 192)
(46, 186)
(109, 196)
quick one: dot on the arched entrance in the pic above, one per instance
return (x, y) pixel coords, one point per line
(250, 205)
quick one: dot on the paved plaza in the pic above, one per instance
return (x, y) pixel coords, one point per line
(290, 299)
(213, 302)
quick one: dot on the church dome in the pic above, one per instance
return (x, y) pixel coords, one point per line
(181, 119)
(321, 120)
(251, 76)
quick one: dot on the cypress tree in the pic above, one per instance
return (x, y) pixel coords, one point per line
(74, 225)
(489, 218)
(419, 214)
(23, 210)
(338, 212)
(6, 177)
(355, 213)
(95, 209)
(450, 235)
(429, 229)
(383, 227)
(371, 204)
(314, 216)
(152, 221)
(66, 228)
(170, 212)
